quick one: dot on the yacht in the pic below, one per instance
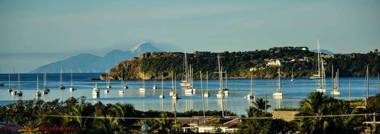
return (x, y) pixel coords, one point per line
(61, 85)
(278, 93)
(142, 89)
(251, 95)
(72, 88)
(335, 91)
(95, 91)
(9, 84)
(162, 86)
(222, 92)
(318, 75)
(37, 94)
(46, 89)
(108, 85)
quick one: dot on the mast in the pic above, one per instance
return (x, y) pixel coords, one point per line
(207, 81)
(71, 78)
(18, 82)
(349, 89)
(9, 80)
(332, 76)
(203, 104)
(251, 86)
(61, 78)
(162, 83)
(220, 74)
(37, 84)
(45, 81)
(367, 77)
(319, 58)
(279, 80)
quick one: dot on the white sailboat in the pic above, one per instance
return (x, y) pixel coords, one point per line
(171, 93)
(72, 88)
(46, 89)
(162, 86)
(251, 95)
(321, 85)
(37, 94)
(187, 82)
(95, 91)
(61, 85)
(319, 74)
(175, 94)
(122, 88)
(108, 85)
(335, 91)
(142, 89)
(205, 94)
(222, 92)
(278, 93)
(154, 85)
(18, 92)
(9, 83)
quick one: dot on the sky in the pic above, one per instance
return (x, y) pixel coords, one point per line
(37, 32)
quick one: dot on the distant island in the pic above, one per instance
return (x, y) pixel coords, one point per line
(89, 63)
(240, 65)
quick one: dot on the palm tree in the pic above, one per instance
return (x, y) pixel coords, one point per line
(259, 108)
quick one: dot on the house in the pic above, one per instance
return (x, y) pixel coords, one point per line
(200, 124)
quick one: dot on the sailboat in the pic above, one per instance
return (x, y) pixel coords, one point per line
(222, 92)
(321, 85)
(18, 92)
(162, 86)
(37, 94)
(175, 95)
(61, 85)
(335, 91)
(142, 89)
(171, 93)
(122, 87)
(319, 74)
(278, 93)
(187, 82)
(9, 83)
(154, 85)
(72, 88)
(95, 91)
(46, 89)
(251, 95)
(108, 85)
(205, 94)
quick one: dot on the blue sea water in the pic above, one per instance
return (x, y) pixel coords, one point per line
(293, 92)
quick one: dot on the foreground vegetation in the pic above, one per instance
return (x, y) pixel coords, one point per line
(99, 118)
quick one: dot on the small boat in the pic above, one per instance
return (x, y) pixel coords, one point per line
(319, 73)
(37, 94)
(278, 93)
(108, 85)
(321, 85)
(251, 95)
(205, 93)
(292, 79)
(142, 89)
(122, 88)
(335, 91)
(222, 92)
(162, 86)
(19, 92)
(46, 89)
(72, 88)
(95, 91)
(9, 84)
(61, 85)
(175, 94)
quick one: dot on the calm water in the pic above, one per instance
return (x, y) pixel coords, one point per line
(293, 92)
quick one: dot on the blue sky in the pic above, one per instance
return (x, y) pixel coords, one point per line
(62, 28)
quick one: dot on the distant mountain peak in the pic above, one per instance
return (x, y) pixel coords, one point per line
(145, 46)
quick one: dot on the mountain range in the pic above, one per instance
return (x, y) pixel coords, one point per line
(89, 63)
